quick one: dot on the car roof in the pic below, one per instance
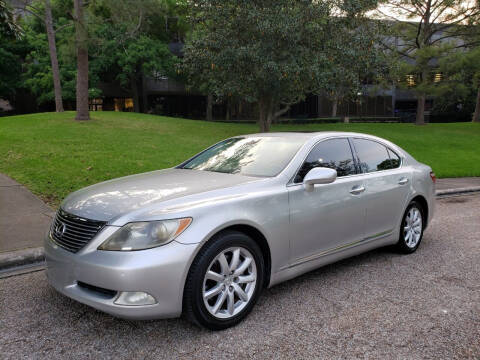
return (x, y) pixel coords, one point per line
(310, 135)
(314, 136)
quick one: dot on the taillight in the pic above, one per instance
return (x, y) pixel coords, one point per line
(433, 177)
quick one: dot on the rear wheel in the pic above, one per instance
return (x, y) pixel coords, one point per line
(411, 230)
(224, 281)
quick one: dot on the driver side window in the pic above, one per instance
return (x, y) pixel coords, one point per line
(335, 154)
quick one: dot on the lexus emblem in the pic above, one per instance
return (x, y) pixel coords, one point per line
(60, 229)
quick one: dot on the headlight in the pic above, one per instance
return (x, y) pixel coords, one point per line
(145, 235)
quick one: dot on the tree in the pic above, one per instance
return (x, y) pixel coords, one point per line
(45, 16)
(140, 58)
(269, 52)
(53, 57)
(37, 70)
(8, 25)
(266, 52)
(425, 31)
(12, 49)
(357, 58)
(476, 82)
(129, 46)
(462, 78)
(81, 43)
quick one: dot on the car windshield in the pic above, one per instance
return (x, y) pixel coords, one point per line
(251, 156)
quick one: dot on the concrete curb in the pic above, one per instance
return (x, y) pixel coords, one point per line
(457, 191)
(10, 259)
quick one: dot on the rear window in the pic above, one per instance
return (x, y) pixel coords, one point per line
(372, 155)
(394, 158)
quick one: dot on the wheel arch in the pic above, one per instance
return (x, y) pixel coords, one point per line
(256, 236)
(424, 204)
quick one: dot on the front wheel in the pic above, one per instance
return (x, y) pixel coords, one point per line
(411, 230)
(224, 281)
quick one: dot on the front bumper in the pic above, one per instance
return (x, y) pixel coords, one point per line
(160, 272)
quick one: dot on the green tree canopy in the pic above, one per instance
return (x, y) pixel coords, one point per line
(272, 52)
(8, 25)
(423, 33)
(12, 50)
(462, 80)
(129, 42)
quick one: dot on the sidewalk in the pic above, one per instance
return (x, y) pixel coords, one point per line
(457, 183)
(24, 218)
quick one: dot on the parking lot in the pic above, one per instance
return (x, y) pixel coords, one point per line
(380, 305)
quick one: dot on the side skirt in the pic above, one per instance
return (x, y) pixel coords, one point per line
(329, 256)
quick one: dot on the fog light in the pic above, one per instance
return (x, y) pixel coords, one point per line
(135, 298)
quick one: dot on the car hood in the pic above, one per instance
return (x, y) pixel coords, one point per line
(107, 200)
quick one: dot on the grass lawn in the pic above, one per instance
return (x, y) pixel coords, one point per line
(53, 155)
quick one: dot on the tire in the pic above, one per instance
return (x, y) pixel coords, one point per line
(225, 277)
(408, 244)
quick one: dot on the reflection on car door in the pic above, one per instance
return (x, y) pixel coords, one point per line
(331, 215)
(387, 186)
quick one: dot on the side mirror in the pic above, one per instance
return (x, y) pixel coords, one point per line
(319, 175)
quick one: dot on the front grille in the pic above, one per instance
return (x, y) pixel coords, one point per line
(73, 232)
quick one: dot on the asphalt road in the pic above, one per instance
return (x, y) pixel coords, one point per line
(380, 305)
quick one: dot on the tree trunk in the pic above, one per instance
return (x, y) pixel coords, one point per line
(136, 97)
(334, 107)
(476, 114)
(262, 115)
(265, 118)
(227, 114)
(420, 120)
(57, 87)
(239, 110)
(144, 94)
(81, 36)
(209, 107)
(270, 116)
(267, 113)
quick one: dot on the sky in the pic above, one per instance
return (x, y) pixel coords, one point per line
(384, 11)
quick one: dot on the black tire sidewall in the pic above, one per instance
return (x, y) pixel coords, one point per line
(193, 299)
(402, 245)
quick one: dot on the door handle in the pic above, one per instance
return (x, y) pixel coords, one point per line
(403, 181)
(357, 190)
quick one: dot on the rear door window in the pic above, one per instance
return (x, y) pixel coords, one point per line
(394, 158)
(372, 155)
(335, 154)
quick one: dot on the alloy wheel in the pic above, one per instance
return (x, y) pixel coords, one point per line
(412, 227)
(229, 283)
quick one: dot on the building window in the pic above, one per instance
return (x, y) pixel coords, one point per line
(123, 104)
(437, 77)
(129, 104)
(95, 104)
(410, 79)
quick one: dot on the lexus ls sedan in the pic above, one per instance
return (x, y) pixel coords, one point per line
(204, 238)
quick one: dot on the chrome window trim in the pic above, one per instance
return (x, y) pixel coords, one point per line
(401, 156)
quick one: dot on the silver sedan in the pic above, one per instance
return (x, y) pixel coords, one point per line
(249, 212)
